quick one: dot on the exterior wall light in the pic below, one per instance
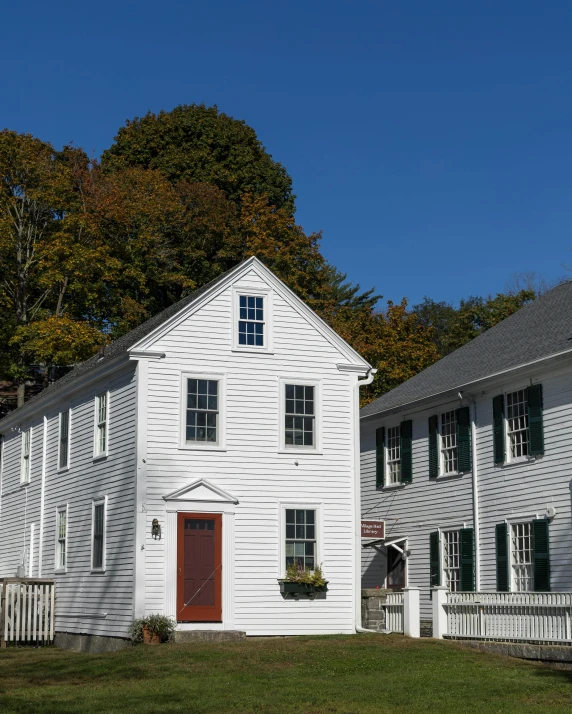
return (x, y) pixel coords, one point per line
(156, 529)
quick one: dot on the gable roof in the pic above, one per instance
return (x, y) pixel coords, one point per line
(119, 349)
(541, 329)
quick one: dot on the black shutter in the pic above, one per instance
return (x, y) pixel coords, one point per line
(433, 453)
(463, 439)
(541, 556)
(498, 428)
(380, 457)
(467, 548)
(502, 557)
(434, 559)
(406, 433)
(535, 426)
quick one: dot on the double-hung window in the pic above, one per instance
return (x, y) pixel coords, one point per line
(101, 424)
(61, 537)
(26, 456)
(521, 557)
(449, 442)
(300, 416)
(393, 453)
(98, 535)
(517, 423)
(251, 321)
(64, 441)
(202, 411)
(452, 560)
(301, 538)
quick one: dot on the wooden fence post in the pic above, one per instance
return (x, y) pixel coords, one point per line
(3, 615)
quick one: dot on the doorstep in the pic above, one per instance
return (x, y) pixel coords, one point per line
(208, 635)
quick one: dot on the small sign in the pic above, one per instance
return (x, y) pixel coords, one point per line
(373, 529)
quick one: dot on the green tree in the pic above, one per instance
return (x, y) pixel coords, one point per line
(199, 144)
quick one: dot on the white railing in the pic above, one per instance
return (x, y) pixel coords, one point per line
(540, 617)
(394, 612)
(27, 610)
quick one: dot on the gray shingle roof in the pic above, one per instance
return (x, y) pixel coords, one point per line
(538, 330)
(118, 348)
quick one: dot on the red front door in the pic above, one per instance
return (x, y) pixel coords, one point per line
(199, 564)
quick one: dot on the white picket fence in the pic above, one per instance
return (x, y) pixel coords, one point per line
(538, 617)
(394, 612)
(27, 610)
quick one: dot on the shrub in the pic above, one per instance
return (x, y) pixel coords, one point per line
(161, 625)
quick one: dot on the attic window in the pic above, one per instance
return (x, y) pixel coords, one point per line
(251, 321)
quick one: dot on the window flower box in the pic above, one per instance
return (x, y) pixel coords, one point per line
(290, 588)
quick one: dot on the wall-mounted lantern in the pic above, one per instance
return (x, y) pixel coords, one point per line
(156, 529)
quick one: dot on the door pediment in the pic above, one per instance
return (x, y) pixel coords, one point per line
(201, 491)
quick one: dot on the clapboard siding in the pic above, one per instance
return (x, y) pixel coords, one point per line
(251, 468)
(509, 491)
(83, 598)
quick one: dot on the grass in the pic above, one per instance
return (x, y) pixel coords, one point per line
(309, 675)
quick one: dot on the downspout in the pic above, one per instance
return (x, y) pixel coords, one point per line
(357, 499)
(476, 498)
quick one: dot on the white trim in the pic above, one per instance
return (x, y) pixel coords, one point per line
(358, 369)
(220, 445)
(146, 354)
(43, 496)
(187, 492)
(97, 502)
(141, 444)
(61, 469)
(31, 551)
(96, 453)
(386, 482)
(57, 569)
(283, 506)
(267, 296)
(441, 474)
(25, 479)
(508, 458)
(228, 556)
(296, 381)
(255, 265)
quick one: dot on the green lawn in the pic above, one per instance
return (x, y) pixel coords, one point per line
(313, 675)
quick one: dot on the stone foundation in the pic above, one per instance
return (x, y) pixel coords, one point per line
(182, 636)
(522, 650)
(90, 643)
(426, 628)
(372, 612)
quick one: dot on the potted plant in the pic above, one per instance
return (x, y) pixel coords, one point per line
(153, 629)
(300, 580)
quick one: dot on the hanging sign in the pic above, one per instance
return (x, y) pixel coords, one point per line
(373, 529)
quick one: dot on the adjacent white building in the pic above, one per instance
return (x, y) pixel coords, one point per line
(470, 464)
(182, 469)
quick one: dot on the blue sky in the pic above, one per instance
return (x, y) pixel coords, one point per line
(430, 141)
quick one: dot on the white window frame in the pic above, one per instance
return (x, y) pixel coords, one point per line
(220, 377)
(387, 483)
(297, 449)
(26, 463)
(267, 294)
(509, 458)
(67, 466)
(98, 502)
(57, 568)
(442, 472)
(511, 564)
(319, 532)
(442, 539)
(96, 453)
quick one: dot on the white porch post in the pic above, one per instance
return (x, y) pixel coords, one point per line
(411, 622)
(439, 594)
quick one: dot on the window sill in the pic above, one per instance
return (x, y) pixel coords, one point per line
(63, 470)
(24, 483)
(200, 447)
(100, 457)
(60, 571)
(519, 462)
(97, 571)
(252, 350)
(300, 451)
(447, 477)
(393, 486)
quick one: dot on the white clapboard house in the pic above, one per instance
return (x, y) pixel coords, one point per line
(469, 463)
(179, 471)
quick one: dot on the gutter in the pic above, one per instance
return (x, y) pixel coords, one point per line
(454, 390)
(357, 498)
(476, 498)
